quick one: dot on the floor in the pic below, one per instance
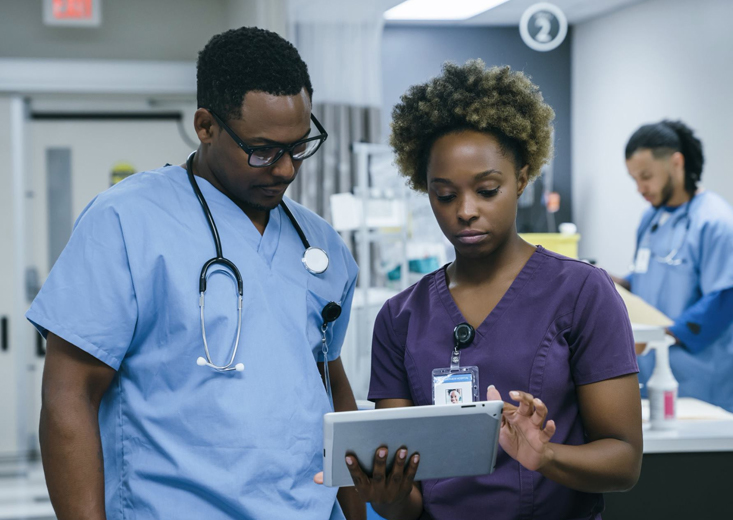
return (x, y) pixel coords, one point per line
(23, 494)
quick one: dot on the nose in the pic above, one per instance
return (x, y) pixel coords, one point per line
(284, 169)
(467, 210)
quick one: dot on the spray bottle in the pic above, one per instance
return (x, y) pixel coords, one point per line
(662, 388)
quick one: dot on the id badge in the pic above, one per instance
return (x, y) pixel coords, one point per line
(455, 386)
(642, 260)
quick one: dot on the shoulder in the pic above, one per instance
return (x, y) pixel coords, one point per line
(566, 271)
(135, 194)
(713, 212)
(571, 283)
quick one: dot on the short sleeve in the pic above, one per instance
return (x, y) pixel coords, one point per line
(716, 272)
(88, 298)
(389, 376)
(601, 341)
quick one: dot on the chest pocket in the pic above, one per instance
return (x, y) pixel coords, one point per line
(680, 285)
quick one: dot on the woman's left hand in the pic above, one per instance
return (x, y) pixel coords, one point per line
(522, 435)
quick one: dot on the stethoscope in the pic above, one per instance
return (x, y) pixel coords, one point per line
(315, 261)
(670, 258)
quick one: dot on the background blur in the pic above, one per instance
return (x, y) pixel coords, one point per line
(83, 106)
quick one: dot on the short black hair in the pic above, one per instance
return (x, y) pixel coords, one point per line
(665, 138)
(244, 60)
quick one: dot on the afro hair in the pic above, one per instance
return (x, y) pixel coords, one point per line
(497, 100)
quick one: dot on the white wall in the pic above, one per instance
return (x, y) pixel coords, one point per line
(657, 59)
(8, 397)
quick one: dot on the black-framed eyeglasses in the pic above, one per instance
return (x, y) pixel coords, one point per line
(263, 156)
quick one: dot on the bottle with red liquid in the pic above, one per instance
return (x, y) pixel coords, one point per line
(662, 389)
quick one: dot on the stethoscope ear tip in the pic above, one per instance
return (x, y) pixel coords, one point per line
(201, 361)
(239, 367)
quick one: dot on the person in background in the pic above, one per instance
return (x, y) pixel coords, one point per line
(551, 331)
(683, 263)
(133, 425)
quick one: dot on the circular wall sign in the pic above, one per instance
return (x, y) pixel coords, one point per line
(543, 27)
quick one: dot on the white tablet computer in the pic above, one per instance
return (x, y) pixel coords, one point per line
(452, 440)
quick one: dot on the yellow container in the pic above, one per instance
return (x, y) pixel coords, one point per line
(566, 245)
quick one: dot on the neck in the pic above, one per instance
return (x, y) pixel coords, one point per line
(259, 217)
(678, 198)
(513, 252)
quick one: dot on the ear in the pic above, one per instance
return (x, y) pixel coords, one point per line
(678, 162)
(522, 180)
(204, 124)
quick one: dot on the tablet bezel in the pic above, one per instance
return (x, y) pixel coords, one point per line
(416, 425)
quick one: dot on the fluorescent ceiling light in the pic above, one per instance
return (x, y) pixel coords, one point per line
(440, 9)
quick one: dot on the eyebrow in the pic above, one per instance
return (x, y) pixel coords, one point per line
(477, 177)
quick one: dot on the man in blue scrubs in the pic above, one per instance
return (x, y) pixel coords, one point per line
(132, 427)
(684, 259)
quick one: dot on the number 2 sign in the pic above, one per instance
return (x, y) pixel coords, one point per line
(543, 27)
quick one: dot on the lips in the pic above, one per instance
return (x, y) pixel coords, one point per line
(273, 191)
(471, 237)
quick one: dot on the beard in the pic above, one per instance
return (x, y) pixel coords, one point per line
(667, 192)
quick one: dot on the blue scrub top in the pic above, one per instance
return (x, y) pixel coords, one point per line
(180, 440)
(705, 254)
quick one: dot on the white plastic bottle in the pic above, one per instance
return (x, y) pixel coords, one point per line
(662, 389)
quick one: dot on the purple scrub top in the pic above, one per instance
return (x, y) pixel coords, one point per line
(561, 324)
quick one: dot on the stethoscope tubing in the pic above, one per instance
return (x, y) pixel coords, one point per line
(220, 259)
(669, 258)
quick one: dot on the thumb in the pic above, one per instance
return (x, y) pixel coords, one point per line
(492, 394)
(318, 477)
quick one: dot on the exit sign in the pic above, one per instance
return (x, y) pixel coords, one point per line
(74, 13)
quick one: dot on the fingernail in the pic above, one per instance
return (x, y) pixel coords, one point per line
(416, 459)
(491, 387)
(349, 461)
(538, 400)
(402, 454)
(382, 453)
(514, 394)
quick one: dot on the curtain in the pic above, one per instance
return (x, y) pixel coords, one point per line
(333, 169)
(341, 44)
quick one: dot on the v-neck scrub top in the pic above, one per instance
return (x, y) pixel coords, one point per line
(560, 325)
(182, 441)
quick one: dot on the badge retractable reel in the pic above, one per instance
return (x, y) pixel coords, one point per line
(330, 313)
(456, 384)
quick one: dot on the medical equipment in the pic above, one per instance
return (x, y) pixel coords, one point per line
(314, 259)
(670, 258)
(452, 440)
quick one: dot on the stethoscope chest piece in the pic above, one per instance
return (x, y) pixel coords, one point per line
(315, 260)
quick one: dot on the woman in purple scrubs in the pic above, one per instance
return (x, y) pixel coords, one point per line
(551, 332)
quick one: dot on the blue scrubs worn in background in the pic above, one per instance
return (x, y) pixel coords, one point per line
(706, 254)
(183, 441)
